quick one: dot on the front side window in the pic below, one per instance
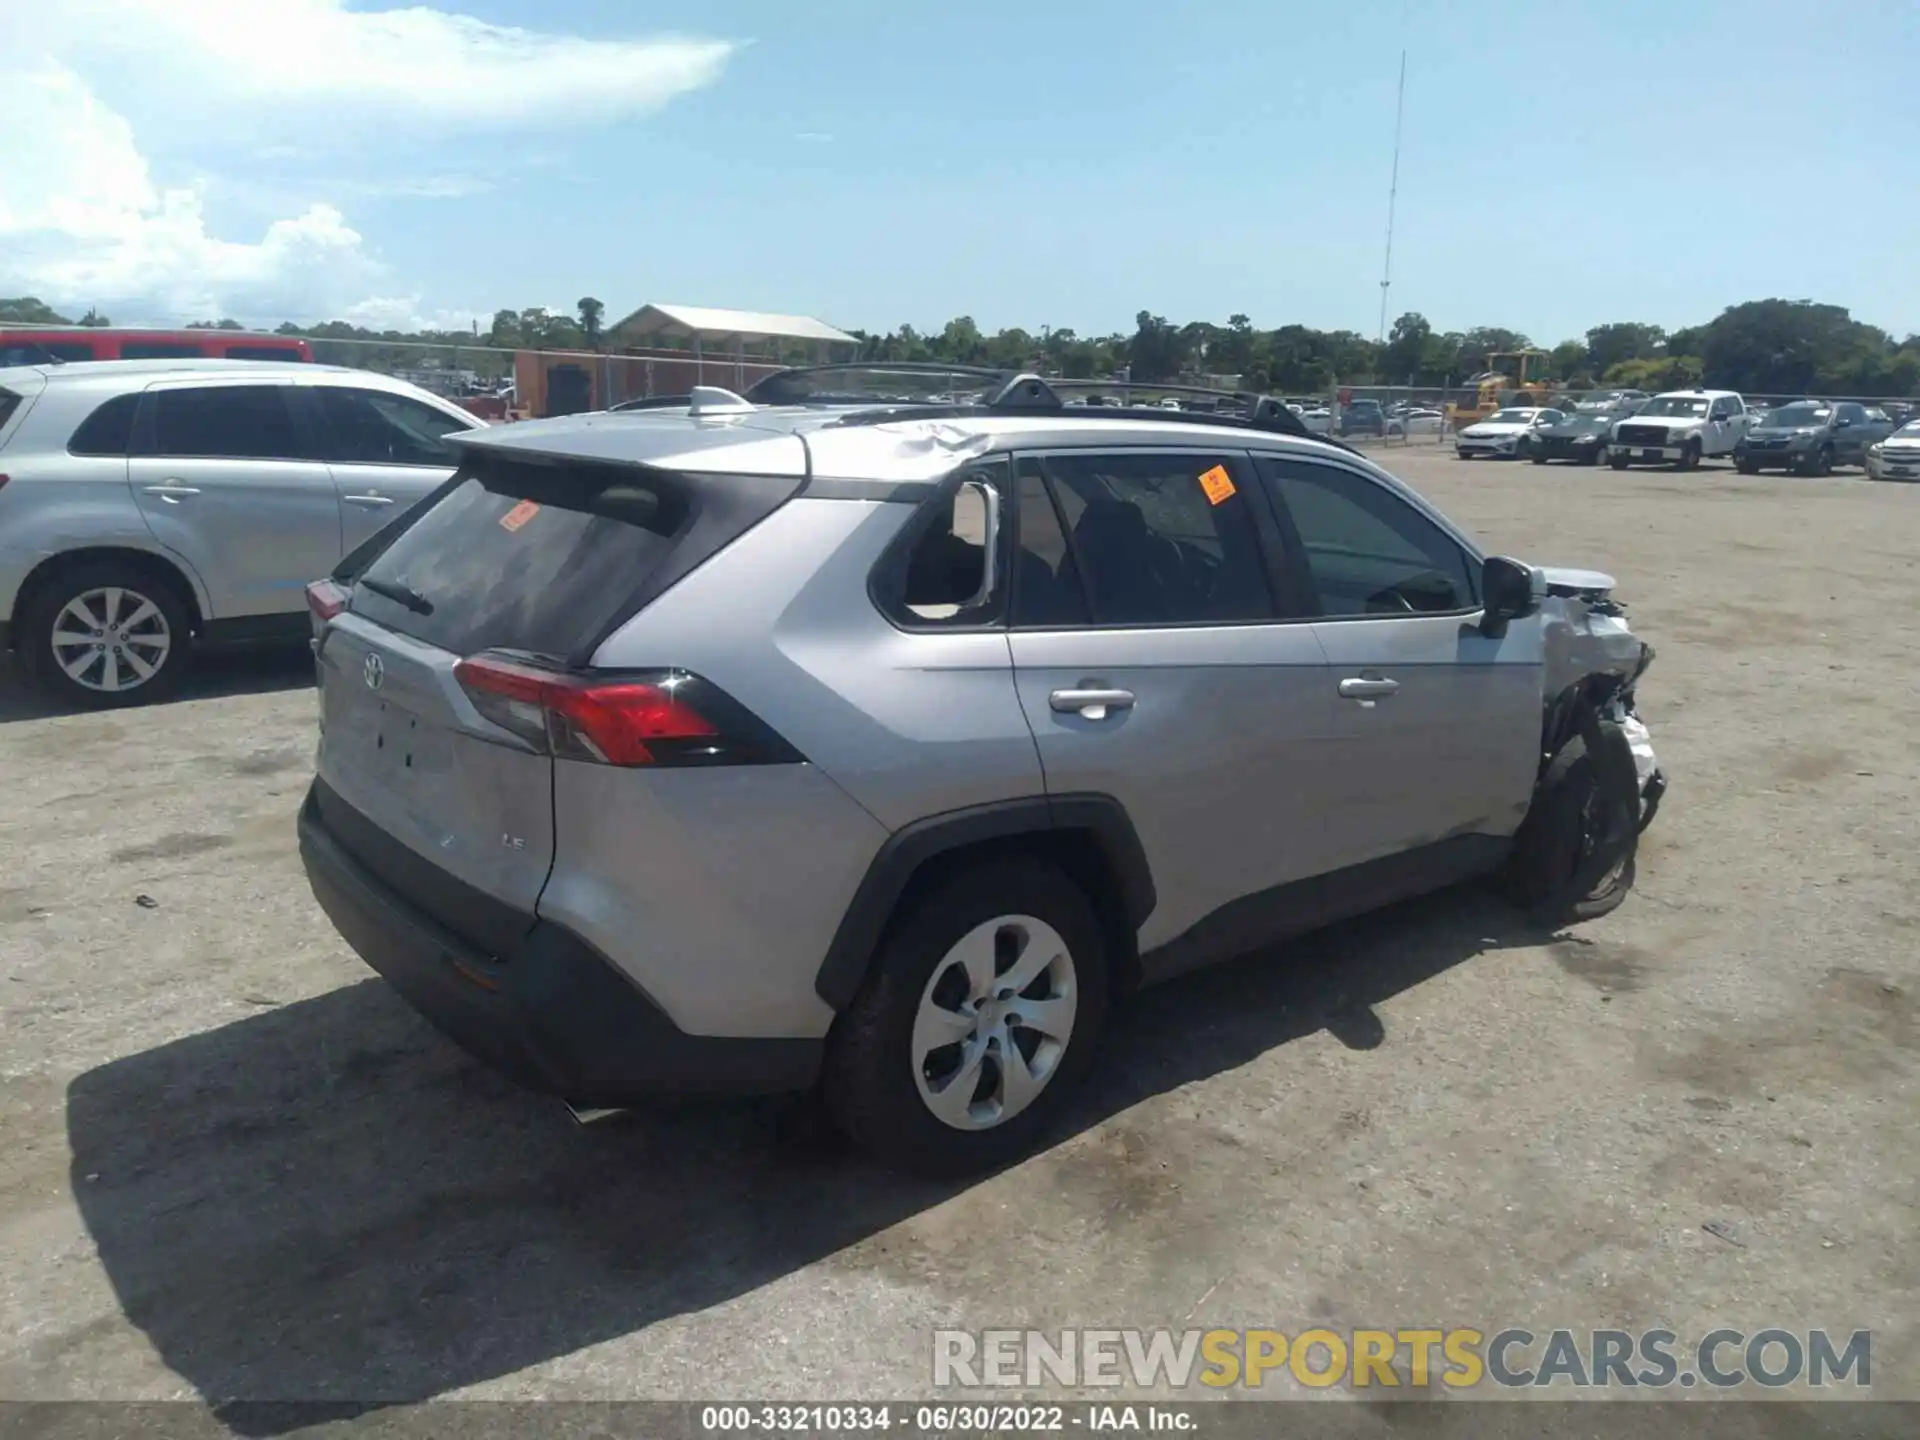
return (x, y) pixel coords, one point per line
(239, 422)
(371, 427)
(1369, 551)
(1157, 538)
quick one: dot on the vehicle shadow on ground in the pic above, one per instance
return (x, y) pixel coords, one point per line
(215, 675)
(329, 1203)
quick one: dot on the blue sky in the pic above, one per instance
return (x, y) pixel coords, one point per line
(1058, 163)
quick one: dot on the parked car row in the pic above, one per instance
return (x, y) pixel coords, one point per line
(148, 505)
(1682, 428)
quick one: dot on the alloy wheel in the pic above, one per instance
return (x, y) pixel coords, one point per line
(111, 639)
(994, 1022)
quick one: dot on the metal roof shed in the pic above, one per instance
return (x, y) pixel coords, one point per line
(714, 333)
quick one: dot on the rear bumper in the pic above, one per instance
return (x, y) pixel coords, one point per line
(554, 1015)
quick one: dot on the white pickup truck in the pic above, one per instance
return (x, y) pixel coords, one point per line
(1680, 428)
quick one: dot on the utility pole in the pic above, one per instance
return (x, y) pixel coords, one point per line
(1393, 191)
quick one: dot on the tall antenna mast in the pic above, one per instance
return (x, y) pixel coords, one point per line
(1393, 191)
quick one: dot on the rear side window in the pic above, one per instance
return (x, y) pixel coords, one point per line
(937, 574)
(238, 422)
(371, 427)
(1370, 553)
(9, 403)
(157, 350)
(108, 430)
(1160, 538)
(547, 558)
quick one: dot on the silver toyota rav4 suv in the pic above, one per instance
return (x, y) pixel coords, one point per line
(806, 740)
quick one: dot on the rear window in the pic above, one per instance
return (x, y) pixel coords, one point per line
(526, 557)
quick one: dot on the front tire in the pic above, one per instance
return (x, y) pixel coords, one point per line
(1689, 456)
(1745, 467)
(1823, 461)
(1618, 460)
(1564, 826)
(105, 635)
(982, 1014)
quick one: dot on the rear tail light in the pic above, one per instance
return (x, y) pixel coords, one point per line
(655, 717)
(326, 599)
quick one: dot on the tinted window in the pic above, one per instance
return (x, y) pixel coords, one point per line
(40, 352)
(246, 422)
(940, 575)
(9, 402)
(375, 428)
(108, 430)
(1853, 414)
(1160, 539)
(1370, 552)
(1046, 587)
(157, 350)
(262, 352)
(527, 558)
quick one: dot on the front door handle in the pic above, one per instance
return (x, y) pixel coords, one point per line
(371, 501)
(172, 491)
(1090, 704)
(1367, 689)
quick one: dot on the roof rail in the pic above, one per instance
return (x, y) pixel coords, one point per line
(1010, 392)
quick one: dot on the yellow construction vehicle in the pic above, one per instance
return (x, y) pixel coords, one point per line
(1517, 377)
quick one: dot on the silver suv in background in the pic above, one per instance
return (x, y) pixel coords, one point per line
(147, 505)
(758, 744)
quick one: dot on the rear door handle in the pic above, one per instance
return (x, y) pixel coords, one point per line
(1090, 704)
(371, 501)
(1368, 688)
(172, 491)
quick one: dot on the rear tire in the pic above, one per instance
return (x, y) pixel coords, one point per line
(897, 1094)
(106, 634)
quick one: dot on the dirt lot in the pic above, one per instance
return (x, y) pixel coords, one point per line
(233, 1165)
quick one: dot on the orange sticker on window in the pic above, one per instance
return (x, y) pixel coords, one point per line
(527, 509)
(1218, 485)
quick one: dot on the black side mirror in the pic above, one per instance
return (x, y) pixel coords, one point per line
(1506, 592)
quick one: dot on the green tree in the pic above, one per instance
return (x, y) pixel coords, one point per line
(1488, 340)
(94, 319)
(1405, 356)
(1156, 350)
(1609, 345)
(592, 313)
(30, 310)
(1569, 359)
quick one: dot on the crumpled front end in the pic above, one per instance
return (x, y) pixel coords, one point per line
(1593, 663)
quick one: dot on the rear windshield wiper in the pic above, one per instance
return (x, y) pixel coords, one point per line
(400, 594)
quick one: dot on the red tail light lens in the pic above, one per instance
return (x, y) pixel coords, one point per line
(326, 599)
(661, 718)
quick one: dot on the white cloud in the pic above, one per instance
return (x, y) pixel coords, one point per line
(84, 220)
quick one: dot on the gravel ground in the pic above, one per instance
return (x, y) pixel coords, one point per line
(233, 1165)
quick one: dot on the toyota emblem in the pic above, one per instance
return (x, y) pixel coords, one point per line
(375, 671)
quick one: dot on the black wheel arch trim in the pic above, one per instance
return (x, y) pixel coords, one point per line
(1102, 817)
